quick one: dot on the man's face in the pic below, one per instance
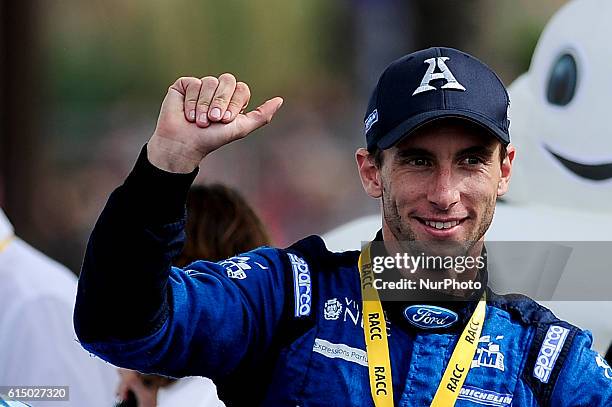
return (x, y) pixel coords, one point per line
(440, 185)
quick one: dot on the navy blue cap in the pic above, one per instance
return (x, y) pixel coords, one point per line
(430, 84)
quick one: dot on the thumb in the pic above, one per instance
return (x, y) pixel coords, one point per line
(260, 116)
(174, 100)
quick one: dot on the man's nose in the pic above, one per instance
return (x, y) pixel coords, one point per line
(443, 193)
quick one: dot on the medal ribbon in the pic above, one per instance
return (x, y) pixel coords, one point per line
(377, 346)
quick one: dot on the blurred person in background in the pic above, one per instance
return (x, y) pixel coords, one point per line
(220, 224)
(38, 345)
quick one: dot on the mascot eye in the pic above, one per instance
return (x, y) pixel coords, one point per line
(562, 81)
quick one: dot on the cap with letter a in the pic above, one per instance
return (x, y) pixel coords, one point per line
(431, 84)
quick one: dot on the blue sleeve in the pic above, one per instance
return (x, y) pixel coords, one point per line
(136, 311)
(220, 315)
(122, 291)
(585, 379)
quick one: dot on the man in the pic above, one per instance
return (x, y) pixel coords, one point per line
(37, 340)
(287, 327)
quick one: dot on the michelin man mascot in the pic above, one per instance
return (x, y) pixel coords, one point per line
(551, 233)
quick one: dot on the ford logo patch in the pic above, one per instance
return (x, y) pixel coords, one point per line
(430, 316)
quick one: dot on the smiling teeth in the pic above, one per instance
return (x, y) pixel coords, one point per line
(442, 225)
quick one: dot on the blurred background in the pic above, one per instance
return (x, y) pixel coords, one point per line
(81, 84)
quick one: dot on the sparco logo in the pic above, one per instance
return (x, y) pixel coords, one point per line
(301, 285)
(430, 316)
(551, 347)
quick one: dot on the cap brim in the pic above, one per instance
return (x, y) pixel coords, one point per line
(407, 127)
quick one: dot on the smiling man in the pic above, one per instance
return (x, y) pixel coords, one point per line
(305, 326)
(439, 184)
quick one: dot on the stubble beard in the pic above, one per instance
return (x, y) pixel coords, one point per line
(407, 240)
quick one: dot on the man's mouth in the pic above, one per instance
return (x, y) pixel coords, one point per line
(594, 172)
(441, 228)
(441, 225)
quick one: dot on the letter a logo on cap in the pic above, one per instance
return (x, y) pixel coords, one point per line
(451, 82)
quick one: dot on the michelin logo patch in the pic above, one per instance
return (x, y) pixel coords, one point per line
(301, 285)
(370, 120)
(549, 352)
(484, 397)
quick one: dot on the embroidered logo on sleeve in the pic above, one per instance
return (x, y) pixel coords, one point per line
(549, 352)
(301, 285)
(236, 267)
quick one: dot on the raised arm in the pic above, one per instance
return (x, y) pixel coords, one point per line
(131, 305)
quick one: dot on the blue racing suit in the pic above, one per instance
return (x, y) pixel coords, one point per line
(283, 327)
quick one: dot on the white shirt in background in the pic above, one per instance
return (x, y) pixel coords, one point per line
(38, 346)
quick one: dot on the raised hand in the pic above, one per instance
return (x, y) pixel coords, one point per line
(200, 115)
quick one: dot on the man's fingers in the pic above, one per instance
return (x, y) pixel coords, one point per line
(207, 91)
(239, 101)
(222, 97)
(259, 117)
(174, 102)
(192, 124)
(192, 90)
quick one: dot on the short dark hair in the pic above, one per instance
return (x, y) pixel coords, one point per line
(377, 156)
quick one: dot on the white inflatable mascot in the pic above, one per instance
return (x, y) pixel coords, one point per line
(561, 189)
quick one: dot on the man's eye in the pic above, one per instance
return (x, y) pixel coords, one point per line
(418, 162)
(472, 160)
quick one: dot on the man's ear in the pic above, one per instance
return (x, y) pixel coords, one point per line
(506, 171)
(369, 173)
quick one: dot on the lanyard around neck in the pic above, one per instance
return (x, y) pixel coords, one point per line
(377, 346)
